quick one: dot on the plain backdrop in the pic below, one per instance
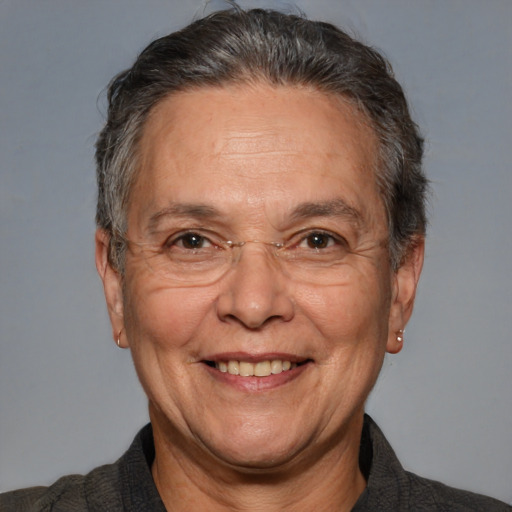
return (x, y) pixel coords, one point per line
(70, 400)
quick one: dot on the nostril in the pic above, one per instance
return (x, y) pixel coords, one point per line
(254, 299)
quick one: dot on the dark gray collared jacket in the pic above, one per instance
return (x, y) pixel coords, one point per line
(127, 485)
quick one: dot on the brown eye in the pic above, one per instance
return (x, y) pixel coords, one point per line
(319, 240)
(192, 241)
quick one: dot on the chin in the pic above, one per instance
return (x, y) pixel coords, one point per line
(257, 463)
(256, 452)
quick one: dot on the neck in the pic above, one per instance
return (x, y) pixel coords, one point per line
(188, 477)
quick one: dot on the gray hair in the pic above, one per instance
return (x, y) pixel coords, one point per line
(236, 46)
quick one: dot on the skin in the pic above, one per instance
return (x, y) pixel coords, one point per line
(254, 154)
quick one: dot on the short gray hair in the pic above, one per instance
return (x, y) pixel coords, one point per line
(236, 46)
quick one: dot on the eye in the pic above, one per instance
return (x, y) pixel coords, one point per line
(190, 241)
(319, 240)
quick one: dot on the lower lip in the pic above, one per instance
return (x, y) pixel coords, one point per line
(255, 384)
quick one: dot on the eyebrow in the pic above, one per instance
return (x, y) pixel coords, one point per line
(199, 211)
(332, 208)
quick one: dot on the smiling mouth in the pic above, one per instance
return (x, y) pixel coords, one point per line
(259, 369)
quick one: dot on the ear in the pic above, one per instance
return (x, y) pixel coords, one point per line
(112, 287)
(405, 283)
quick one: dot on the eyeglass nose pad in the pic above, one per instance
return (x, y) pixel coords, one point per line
(235, 252)
(271, 249)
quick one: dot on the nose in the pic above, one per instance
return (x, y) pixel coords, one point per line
(255, 292)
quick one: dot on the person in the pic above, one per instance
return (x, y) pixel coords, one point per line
(261, 224)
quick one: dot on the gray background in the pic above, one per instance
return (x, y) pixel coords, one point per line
(70, 400)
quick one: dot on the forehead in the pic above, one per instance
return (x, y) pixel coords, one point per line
(254, 145)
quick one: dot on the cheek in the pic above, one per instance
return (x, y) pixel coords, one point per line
(349, 312)
(164, 317)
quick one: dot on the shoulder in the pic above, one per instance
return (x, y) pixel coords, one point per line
(425, 494)
(97, 490)
(65, 494)
(390, 487)
(125, 485)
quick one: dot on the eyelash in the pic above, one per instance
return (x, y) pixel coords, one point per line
(301, 237)
(333, 239)
(174, 240)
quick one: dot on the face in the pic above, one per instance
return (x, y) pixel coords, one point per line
(267, 164)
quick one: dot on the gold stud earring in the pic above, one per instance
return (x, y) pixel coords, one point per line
(118, 341)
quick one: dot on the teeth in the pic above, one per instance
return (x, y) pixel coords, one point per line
(233, 368)
(246, 369)
(260, 369)
(276, 366)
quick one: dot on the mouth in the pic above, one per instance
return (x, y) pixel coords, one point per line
(264, 368)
